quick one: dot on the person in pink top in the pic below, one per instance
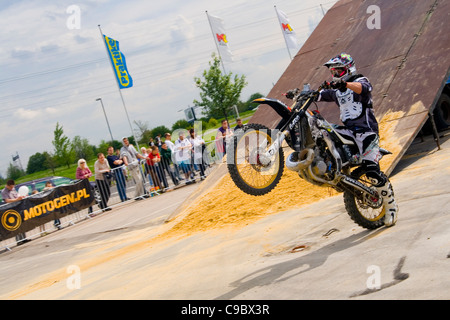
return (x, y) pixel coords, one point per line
(83, 172)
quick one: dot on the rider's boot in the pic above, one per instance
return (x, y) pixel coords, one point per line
(390, 205)
(385, 190)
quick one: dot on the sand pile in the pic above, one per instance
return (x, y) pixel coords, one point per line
(225, 205)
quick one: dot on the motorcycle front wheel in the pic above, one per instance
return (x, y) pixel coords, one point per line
(249, 167)
(366, 211)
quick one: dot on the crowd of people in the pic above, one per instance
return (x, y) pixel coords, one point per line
(181, 160)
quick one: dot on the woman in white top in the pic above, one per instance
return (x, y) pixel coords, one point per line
(197, 147)
(183, 155)
(102, 168)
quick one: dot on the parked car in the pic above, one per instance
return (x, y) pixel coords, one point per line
(39, 184)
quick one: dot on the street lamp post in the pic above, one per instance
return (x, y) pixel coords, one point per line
(101, 101)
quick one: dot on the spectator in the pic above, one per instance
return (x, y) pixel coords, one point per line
(124, 169)
(157, 174)
(166, 162)
(10, 195)
(42, 226)
(57, 222)
(130, 158)
(169, 143)
(48, 186)
(197, 152)
(116, 164)
(83, 172)
(239, 125)
(158, 141)
(223, 133)
(183, 156)
(145, 153)
(102, 171)
(171, 146)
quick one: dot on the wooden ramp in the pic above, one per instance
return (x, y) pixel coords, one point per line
(407, 61)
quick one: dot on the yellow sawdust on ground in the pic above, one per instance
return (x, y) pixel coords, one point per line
(388, 139)
(227, 206)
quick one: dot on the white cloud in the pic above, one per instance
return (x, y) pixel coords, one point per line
(24, 114)
(51, 111)
(55, 74)
(182, 32)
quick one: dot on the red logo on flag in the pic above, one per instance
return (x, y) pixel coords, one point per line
(222, 38)
(286, 27)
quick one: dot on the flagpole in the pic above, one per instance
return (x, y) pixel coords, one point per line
(215, 42)
(279, 21)
(323, 12)
(118, 87)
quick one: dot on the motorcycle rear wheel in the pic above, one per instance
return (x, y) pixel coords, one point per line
(245, 161)
(366, 212)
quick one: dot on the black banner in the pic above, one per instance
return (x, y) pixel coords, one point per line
(33, 211)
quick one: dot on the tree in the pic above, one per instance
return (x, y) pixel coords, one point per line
(103, 147)
(181, 124)
(14, 172)
(36, 163)
(218, 92)
(61, 143)
(50, 161)
(143, 133)
(161, 130)
(248, 105)
(82, 149)
(254, 96)
(2, 180)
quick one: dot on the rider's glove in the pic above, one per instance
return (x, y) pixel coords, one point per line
(292, 93)
(325, 85)
(339, 84)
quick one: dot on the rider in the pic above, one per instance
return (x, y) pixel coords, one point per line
(352, 93)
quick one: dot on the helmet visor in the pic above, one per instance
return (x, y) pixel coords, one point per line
(338, 72)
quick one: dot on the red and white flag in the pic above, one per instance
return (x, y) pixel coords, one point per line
(220, 37)
(288, 32)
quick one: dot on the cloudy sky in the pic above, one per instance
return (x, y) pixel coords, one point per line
(52, 73)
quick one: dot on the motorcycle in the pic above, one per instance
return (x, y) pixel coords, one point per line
(321, 156)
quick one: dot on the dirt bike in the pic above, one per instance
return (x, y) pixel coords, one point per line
(321, 156)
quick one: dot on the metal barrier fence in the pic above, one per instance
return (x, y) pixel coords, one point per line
(125, 184)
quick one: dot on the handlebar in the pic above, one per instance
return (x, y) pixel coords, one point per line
(297, 94)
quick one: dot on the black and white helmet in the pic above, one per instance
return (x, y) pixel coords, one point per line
(341, 65)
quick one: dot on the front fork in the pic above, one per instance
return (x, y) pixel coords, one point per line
(266, 158)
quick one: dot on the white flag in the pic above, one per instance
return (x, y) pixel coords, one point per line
(220, 37)
(288, 31)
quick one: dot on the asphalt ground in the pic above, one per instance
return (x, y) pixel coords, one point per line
(313, 252)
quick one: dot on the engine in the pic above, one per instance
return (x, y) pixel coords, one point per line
(311, 165)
